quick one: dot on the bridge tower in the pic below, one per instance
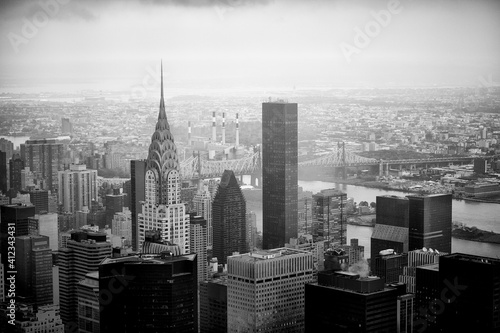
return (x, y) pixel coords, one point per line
(341, 154)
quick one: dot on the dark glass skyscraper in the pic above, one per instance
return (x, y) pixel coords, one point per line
(430, 222)
(279, 173)
(229, 219)
(3, 172)
(149, 295)
(16, 164)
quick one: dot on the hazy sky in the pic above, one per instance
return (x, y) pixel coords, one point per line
(236, 43)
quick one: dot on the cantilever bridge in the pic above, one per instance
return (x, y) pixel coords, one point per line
(194, 167)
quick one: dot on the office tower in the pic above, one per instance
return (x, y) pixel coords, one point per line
(82, 254)
(202, 203)
(127, 189)
(188, 193)
(355, 251)
(66, 126)
(228, 218)
(198, 243)
(251, 229)
(162, 208)
(137, 189)
(213, 306)
(391, 228)
(430, 222)
(427, 290)
(306, 243)
(355, 304)
(17, 216)
(97, 215)
(144, 289)
(3, 172)
(265, 290)
(114, 204)
(470, 293)
(329, 215)
(121, 225)
(30, 318)
(418, 258)
(77, 187)
(40, 199)
(279, 173)
(16, 164)
(34, 270)
(388, 265)
(47, 225)
(81, 217)
(45, 158)
(88, 304)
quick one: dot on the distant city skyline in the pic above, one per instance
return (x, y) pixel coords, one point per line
(106, 45)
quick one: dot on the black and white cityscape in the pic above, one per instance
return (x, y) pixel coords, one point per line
(249, 166)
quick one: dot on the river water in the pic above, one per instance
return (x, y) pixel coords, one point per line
(484, 216)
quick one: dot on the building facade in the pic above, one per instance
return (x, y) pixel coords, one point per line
(44, 158)
(202, 204)
(265, 291)
(77, 188)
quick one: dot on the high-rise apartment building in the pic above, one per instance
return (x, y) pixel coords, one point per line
(77, 187)
(355, 304)
(279, 173)
(45, 158)
(162, 208)
(229, 219)
(430, 222)
(34, 270)
(198, 243)
(83, 254)
(265, 290)
(202, 204)
(16, 165)
(155, 294)
(137, 190)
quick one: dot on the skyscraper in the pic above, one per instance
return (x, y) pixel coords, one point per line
(328, 213)
(13, 218)
(83, 253)
(88, 304)
(158, 294)
(3, 172)
(45, 158)
(16, 165)
(229, 219)
(213, 306)
(430, 222)
(265, 291)
(40, 199)
(48, 226)
(66, 126)
(114, 204)
(391, 229)
(469, 293)
(202, 203)
(198, 243)
(355, 304)
(34, 270)
(279, 173)
(137, 188)
(162, 208)
(77, 187)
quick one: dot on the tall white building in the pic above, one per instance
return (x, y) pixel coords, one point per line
(77, 187)
(121, 224)
(198, 244)
(162, 208)
(202, 203)
(266, 290)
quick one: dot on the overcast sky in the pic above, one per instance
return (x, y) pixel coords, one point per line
(237, 43)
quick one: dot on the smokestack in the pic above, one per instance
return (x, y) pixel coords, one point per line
(237, 143)
(223, 128)
(214, 129)
(189, 133)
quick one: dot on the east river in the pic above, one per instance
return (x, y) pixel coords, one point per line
(485, 216)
